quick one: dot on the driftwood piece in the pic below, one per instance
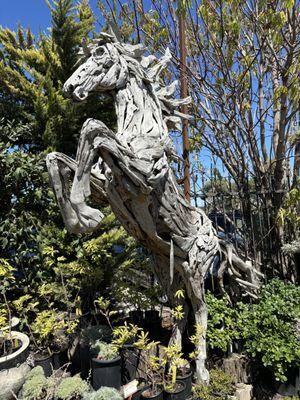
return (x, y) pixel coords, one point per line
(133, 174)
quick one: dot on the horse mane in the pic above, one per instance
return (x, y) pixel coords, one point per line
(149, 69)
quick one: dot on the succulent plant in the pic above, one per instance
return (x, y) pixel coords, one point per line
(104, 393)
(104, 351)
(35, 385)
(71, 388)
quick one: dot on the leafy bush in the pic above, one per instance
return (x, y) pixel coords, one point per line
(104, 351)
(71, 388)
(269, 328)
(104, 393)
(221, 327)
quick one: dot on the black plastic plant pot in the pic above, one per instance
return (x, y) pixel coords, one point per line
(130, 362)
(187, 380)
(136, 316)
(45, 363)
(149, 395)
(106, 373)
(59, 359)
(85, 360)
(177, 394)
(152, 316)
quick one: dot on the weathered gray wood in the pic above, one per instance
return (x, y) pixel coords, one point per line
(133, 173)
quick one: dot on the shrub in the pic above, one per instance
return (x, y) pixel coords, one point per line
(220, 382)
(35, 385)
(268, 328)
(71, 388)
(220, 385)
(104, 393)
(104, 351)
(221, 327)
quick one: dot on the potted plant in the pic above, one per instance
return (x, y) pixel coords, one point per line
(106, 365)
(59, 386)
(49, 329)
(151, 366)
(13, 345)
(172, 359)
(185, 375)
(87, 337)
(71, 388)
(123, 339)
(174, 390)
(220, 387)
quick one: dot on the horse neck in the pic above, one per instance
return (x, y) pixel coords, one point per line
(138, 113)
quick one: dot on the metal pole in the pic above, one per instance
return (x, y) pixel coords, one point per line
(184, 110)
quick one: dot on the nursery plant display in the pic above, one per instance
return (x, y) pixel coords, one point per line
(59, 386)
(106, 365)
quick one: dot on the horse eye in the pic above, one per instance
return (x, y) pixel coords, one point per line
(99, 51)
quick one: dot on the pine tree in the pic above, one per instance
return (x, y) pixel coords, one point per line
(33, 71)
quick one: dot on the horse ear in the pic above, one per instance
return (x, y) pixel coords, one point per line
(115, 31)
(86, 51)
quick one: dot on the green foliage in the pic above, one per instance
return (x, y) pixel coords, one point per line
(96, 332)
(36, 371)
(268, 328)
(36, 384)
(104, 393)
(221, 329)
(288, 216)
(104, 351)
(33, 71)
(57, 386)
(71, 388)
(220, 386)
(124, 334)
(290, 398)
(50, 327)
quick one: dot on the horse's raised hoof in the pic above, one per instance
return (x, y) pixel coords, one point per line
(89, 218)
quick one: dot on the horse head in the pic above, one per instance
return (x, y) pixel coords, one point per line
(106, 64)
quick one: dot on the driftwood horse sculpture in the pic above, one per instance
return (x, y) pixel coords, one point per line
(130, 168)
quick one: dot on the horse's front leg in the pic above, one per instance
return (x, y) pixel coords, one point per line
(61, 169)
(93, 134)
(200, 314)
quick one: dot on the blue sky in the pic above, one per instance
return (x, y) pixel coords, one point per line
(33, 13)
(36, 15)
